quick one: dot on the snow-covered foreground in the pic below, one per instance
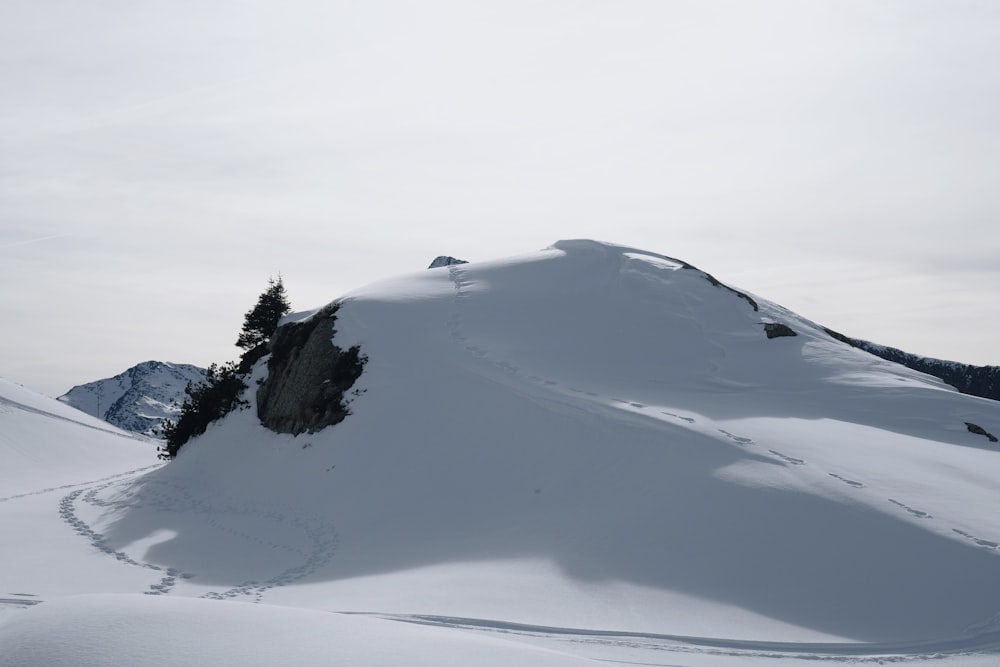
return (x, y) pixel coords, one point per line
(590, 453)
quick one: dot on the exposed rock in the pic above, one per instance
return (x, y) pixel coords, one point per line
(979, 430)
(715, 281)
(307, 376)
(839, 336)
(445, 260)
(778, 330)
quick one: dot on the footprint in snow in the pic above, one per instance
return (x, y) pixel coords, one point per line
(788, 459)
(849, 482)
(738, 439)
(917, 513)
(689, 420)
(983, 543)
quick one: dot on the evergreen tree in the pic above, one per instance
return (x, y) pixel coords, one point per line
(224, 384)
(207, 401)
(261, 321)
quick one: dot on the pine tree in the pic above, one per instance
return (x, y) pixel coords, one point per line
(207, 401)
(224, 384)
(260, 322)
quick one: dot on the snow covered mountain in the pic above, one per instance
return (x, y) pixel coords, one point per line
(587, 454)
(140, 398)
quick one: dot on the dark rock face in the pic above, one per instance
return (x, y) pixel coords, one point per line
(982, 381)
(445, 260)
(307, 376)
(979, 430)
(716, 282)
(778, 330)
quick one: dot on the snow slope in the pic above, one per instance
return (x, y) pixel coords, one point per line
(593, 450)
(74, 448)
(50, 453)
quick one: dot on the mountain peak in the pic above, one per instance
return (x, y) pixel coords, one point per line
(138, 399)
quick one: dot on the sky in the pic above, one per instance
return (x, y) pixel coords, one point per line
(159, 161)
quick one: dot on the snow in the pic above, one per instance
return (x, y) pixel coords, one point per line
(43, 441)
(165, 631)
(588, 453)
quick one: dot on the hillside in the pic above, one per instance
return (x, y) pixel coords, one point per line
(594, 450)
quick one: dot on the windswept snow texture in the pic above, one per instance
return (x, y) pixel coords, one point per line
(592, 450)
(139, 399)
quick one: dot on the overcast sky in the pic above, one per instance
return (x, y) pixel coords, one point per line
(159, 160)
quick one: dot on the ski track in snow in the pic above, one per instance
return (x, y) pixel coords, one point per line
(320, 535)
(455, 321)
(987, 642)
(109, 479)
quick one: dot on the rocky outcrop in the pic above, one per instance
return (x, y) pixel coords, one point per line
(718, 283)
(979, 430)
(778, 330)
(445, 260)
(308, 376)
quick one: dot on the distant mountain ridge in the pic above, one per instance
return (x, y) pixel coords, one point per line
(982, 381)
(138, 399)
